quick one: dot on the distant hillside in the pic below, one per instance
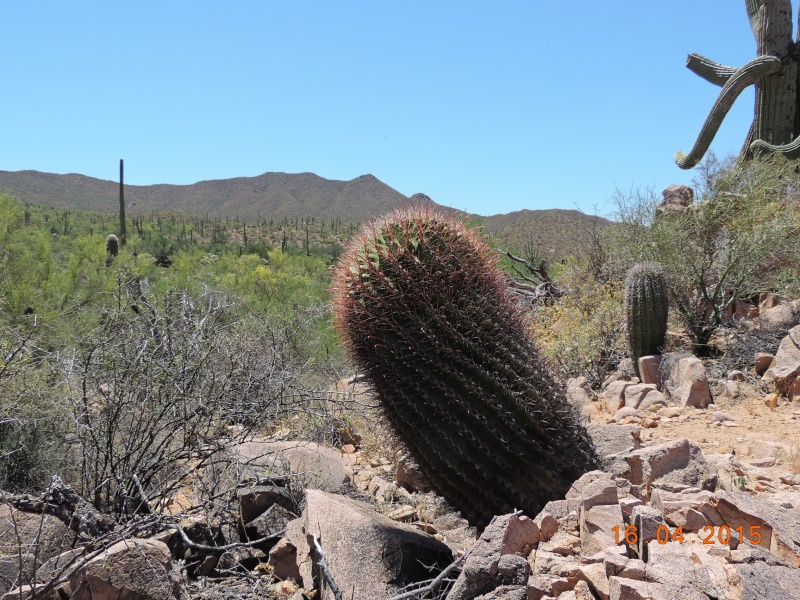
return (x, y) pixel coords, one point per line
(556, 232)
(279, 195)
(271, 195)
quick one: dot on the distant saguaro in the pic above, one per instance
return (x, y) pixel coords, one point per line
(122, 229)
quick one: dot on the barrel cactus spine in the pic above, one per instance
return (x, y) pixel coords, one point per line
(426, 315)
(646, 309)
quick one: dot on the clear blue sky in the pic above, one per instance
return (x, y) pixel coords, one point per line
(485, 106)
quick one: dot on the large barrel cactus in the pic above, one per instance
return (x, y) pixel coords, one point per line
(426, 314)
(646, 308)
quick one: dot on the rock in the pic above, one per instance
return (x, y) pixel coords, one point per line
(256, 500)
(403, 513)
(720, 416)
(241, 559)
(614, 397)
(648, 369)
(595, 577)
(368, 554)
(583, 592)
(540, 586)
(594, 488)
(547, 525)
(579, 392)
(323, 468)
(690, 511)
(646, 520)
(271, 522)
(780, 316)
(129, 570)
(670, 412)
(678, 461)
(43, 537)
(634, 394)
(550, 563)
(779, 528)
(763, 463)
(512, 570)
(621, 588)
(675, 198)
(597, 528)
(562, 543)
(627, 505)
(505, 535)
(737, 375)
(624, 413)
(762, 362)
(762, 578)
(758, 448)
(408, 474)
(505, 592)
(653, 398)
(699, 575)
(612, 440)
(785, 366)
(283, 560)
(25, 592)
(685, 380)
(790, 478)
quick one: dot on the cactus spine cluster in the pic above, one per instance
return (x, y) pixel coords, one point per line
(646, 308)
(427, 317)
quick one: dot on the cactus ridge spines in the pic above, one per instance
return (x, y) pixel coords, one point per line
(427, 316)
(646, 310)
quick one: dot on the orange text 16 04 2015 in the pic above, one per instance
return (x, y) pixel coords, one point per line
(708, 535)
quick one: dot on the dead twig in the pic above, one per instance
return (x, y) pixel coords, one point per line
(433, 583)
(322, 563)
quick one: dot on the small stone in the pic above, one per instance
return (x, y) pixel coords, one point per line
(403, 513)
(771, 400)
(764, 463)
(736, 375)
(721, 417)
(426, 527)
(762, 362)
(790, 479)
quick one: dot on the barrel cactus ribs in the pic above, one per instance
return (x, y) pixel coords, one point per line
(646, 310)
(426, 315)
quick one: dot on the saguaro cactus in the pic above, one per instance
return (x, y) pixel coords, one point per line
(122, 227)
(776, 125)
(646, 308)
(427, 317)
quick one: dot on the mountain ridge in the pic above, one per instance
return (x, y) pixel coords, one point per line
(278, 195)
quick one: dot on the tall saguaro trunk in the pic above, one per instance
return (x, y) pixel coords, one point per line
(774, 73)
(122, 230)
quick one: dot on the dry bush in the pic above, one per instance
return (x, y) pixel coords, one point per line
(160, 388)
(581, 333)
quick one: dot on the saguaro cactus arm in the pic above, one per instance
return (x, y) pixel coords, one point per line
(711, 71)
(791, 150)
(736, 84)
(774, 73)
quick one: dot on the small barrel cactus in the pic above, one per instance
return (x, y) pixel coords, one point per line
(427, 317)
(646, 307)
(112, 248)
